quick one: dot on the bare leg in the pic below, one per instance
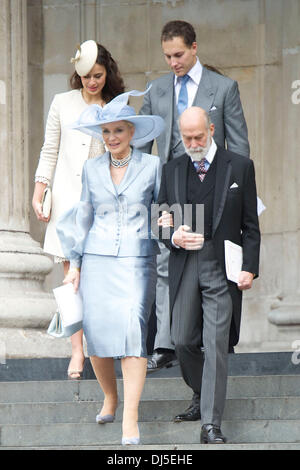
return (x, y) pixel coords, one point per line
(105, 373)
(77, 359)
(134, 374)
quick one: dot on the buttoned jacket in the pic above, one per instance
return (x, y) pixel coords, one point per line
(113, 220)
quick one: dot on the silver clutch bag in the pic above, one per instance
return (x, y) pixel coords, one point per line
(46, 202)
(58, 330)
(68, 317)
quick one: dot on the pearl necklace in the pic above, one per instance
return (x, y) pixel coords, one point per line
(120, 163)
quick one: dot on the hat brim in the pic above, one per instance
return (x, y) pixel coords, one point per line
(147, 128)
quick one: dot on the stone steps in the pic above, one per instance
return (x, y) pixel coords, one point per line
(154, 433)
(39, 409)
(49, 369)
(84, 412)
(261, 411)
(155, 389)
(152, 449)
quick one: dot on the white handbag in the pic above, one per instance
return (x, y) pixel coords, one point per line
(68, 317)
(46, 202)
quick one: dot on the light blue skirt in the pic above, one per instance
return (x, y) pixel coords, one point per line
(117, 295)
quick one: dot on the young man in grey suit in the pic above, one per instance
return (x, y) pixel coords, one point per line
(189, 83)
(204, 303)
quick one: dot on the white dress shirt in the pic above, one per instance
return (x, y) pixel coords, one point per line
(210, 155)
(209, 159)
(192, 84)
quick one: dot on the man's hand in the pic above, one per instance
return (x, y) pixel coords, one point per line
(183, 238)
(73, 276)
(245, 280)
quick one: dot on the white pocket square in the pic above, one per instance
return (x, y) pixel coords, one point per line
(213, 108)
(234, 185)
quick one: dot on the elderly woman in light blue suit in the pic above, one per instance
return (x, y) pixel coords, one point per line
(107, 238)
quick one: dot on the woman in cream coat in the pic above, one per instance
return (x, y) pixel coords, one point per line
(96, 80)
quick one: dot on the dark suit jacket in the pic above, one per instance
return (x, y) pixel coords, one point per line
(234, 218)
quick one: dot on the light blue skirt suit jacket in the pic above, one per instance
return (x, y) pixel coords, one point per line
(108, 234)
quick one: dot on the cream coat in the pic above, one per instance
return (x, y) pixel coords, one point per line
(61, 160)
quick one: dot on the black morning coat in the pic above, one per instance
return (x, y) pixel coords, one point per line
(234, 218)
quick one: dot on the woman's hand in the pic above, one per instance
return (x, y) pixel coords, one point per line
(36, 201)
(73, 275)
(37, 207)
(165, 220)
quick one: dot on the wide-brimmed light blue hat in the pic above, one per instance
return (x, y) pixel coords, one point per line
(147, 127)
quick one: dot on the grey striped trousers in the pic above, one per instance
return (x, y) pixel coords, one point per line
(201, 317)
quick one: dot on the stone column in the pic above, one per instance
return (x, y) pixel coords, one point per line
(271, 309)
(89, 20)
(285, 312)
(25, 307)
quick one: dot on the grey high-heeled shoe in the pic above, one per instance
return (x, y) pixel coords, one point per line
(130, 441)
(105, 419)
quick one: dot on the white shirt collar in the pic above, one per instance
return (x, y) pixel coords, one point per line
(211, 153)
(194, 73)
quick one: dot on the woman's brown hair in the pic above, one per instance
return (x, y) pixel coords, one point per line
(114, 84)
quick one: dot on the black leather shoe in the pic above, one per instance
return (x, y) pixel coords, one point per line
(211, 434)
(159, 360)
(192, 413)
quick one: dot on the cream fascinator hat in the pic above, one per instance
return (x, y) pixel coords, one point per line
(147, 127)
(85, 57)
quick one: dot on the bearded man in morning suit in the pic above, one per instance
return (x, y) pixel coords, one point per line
(168, 96)
(202, 299)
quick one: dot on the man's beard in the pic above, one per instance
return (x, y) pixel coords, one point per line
(199, 152)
